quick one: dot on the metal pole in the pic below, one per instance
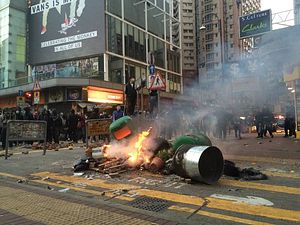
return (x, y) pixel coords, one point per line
(86, 134)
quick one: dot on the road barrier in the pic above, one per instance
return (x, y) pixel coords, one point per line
(25, 130)
(96, 127)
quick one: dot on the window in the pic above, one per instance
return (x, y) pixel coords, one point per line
(134, 12)
(114, 7)
(114, 35)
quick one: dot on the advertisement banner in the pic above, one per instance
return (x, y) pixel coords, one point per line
(65, 29)
(73, 94)
(255, 24)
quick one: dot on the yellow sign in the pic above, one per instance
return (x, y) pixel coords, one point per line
(20, 101)
(36, 97)
(98, 127)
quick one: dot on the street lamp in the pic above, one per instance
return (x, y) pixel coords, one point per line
(202, 27)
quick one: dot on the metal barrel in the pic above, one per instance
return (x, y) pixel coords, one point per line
(200, 163)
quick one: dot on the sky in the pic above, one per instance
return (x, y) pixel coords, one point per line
(279, 6)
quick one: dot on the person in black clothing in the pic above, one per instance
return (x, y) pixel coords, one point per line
(153, 95)
(56, 126)
(131, 96)
(259, 124)
(268, 120)
(72, 125)
(28, 115)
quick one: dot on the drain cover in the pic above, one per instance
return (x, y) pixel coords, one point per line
(150, 204)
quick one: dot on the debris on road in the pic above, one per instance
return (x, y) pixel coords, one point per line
(190, 156)
(231, 170)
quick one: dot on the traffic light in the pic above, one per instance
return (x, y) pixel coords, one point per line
(28, 97)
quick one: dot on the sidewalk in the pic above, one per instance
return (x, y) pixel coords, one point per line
(27, 205)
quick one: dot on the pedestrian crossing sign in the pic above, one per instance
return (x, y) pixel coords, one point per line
(36, 86)
(156, 82)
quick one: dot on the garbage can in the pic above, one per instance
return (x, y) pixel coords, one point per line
(200, 163)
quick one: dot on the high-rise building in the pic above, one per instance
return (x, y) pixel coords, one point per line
(83, 52)
(249, 7)
(297, 11)
(218, 40)
(189, 60)
(12, 42)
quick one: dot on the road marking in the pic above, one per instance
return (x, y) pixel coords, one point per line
(260, 186)
(251, 200)
(219, 216)
(185, 199)
(95, 183)
(285, 175)
(12, 176)
(263, 211)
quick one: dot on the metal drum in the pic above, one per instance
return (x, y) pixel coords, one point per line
(200, 163)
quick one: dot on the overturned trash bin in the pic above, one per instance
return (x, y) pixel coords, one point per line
(200, 163)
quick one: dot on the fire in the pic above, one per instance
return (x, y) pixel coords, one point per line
(104, 150)
(137, 154)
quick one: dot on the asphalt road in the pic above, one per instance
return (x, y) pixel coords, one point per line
(153, 197)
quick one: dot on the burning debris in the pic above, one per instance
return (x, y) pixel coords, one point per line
(190, 156)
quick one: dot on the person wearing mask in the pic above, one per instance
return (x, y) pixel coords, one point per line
(131, 96)
(118, 113)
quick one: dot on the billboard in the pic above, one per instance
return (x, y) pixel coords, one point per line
(255, 23)
(65, 29)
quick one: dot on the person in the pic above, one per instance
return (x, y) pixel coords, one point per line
(4, 128)
(289, 123)
(268, 120)
(28, 115)
(259, 124)
(118, 113)
(81, 127)
(73, 11)
(153, 95)
(131, 96)
(237, 126)
(72, 126)
(56, 126)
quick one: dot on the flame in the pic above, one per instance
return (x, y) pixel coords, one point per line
(104, 150)
(137, 153)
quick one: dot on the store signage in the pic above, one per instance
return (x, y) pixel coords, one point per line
(65, 29)
(255, 24)
(36, 97)
(101, 95)
(73, 94)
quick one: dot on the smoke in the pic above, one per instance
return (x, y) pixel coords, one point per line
(237, 89)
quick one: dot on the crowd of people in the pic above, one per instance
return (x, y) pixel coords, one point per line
(60, 126)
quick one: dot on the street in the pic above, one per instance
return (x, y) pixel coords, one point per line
(37, 189)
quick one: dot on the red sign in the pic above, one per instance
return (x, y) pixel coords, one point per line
(156, 82)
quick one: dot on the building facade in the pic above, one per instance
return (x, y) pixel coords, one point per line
(218, 35)
(74, 64)
(189, 60)
(297, 12)
(12, 42)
